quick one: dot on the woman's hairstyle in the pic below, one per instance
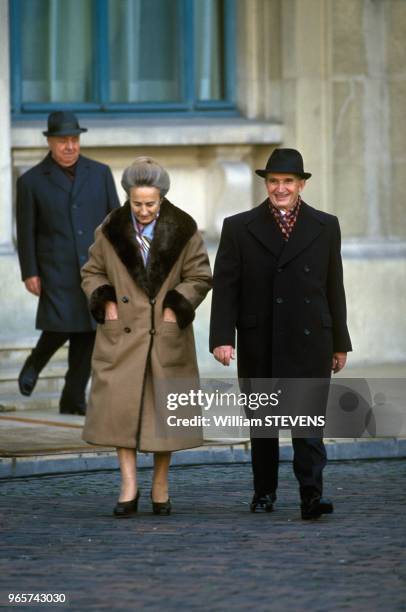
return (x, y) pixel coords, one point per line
(145, 172)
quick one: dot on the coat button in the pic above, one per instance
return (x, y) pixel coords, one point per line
(74, 206)
(306, 268)
(152, 332)
(279, 300)
(80, 232)
(279, 269)
(306, 332)
(127, 330)
(125, 299)
(152, 301)
(307, 300)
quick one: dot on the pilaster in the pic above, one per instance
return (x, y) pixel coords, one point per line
(6, 202)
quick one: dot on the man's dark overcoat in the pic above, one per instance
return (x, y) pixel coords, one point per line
(285, 299)
(56, 220)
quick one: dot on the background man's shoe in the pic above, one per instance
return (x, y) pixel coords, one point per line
(326, 505)
(28, 378)
(65, 408)
(71, 404)
(263, 503)
(81, 410)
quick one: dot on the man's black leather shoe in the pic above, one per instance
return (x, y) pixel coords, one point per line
(69, 406)
(28, 377)
(314, 506)
(326, 505)
(65, 408)
(263, 503)
(72, 403)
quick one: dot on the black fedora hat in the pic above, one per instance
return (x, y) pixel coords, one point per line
(285, 161)
(63, 123)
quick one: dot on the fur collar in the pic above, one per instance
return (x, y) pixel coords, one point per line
(172, 231)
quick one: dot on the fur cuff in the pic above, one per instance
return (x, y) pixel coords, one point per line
(181, 306)
(98, 299)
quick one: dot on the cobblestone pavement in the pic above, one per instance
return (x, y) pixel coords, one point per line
(58, 536)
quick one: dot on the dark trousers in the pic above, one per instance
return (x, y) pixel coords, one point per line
(309, 460)
(79, 358)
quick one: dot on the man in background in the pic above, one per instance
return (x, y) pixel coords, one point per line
(60, 202)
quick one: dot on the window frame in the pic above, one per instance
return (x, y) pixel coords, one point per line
(187, 107)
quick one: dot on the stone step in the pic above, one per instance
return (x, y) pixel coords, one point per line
(13, 402)
(55, 369)
(44, 385)
(13, 354)
(50, 380)
(17, 351)
(46, 394)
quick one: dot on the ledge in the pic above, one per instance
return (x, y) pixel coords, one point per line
(369, 248)
(130, 132)
(65, 463)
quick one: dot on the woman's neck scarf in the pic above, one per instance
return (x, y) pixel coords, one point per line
(144, 235)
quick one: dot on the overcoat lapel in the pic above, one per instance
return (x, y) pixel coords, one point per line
(306, 229)
(264, 228)
(81, 176)
(172, 231)
(55, 174)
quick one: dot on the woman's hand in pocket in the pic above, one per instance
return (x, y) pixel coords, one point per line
(111, 312)
(169, 315)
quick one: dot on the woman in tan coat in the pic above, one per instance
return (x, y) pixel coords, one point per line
(147, 272)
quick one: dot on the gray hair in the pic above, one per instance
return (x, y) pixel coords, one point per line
(145, 172)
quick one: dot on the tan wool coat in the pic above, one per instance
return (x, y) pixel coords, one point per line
(136, 353)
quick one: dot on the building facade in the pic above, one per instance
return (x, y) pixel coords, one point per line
(228, 81)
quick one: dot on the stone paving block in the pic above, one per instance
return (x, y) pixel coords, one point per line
(58, 535)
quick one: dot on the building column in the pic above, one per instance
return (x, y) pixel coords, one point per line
(306, 100)
(6, 202)
(258, 58)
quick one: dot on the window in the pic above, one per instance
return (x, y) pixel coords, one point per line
(122, 55)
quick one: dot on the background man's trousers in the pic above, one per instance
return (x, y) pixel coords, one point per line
(79, 358)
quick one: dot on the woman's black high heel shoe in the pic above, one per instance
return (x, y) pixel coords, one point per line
(128, 508)
(162, 507)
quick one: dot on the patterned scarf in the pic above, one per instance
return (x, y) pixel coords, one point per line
(286, 220)
(144, 235)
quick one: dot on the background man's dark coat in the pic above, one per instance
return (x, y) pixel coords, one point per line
(56, 220)
(286, 300)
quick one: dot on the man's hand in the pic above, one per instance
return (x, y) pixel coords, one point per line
(224, 354)
(111, 312)
(33, 285)
(339, 360)
(169, 315)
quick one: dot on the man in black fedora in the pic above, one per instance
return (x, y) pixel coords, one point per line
(278, 281)
(60, 202)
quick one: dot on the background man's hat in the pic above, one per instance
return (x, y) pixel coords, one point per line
(288, 161)
(63, 123)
